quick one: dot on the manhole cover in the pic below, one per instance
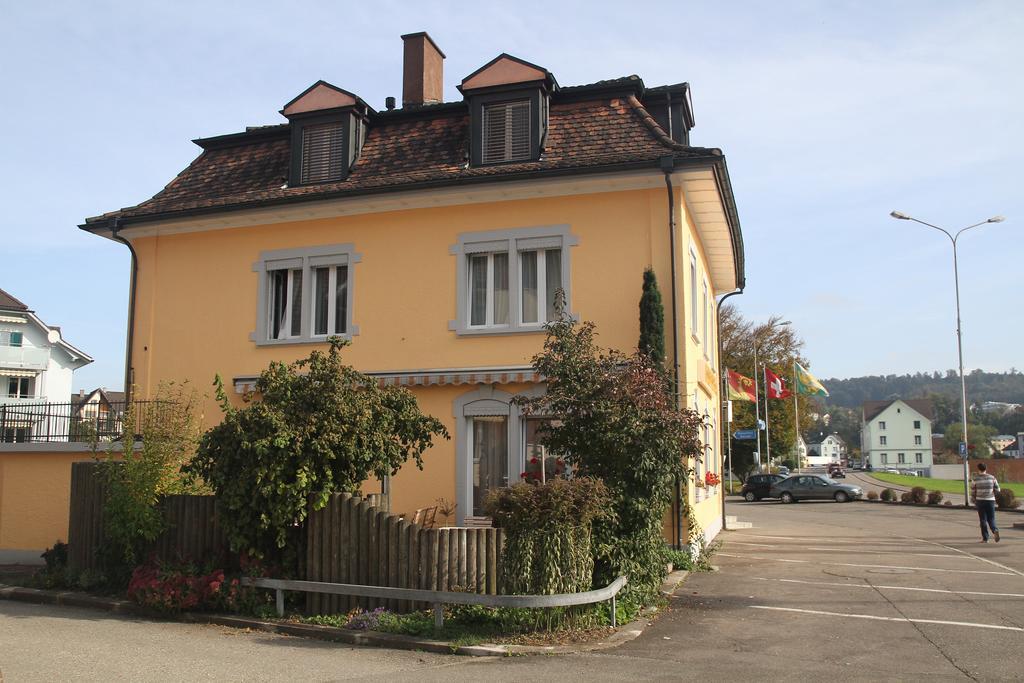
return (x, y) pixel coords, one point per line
(890, 571)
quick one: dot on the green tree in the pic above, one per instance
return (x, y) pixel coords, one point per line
(978, 438)
(616, 420)
(167, 431)
(319, 427)
(652, 320)
(778, 346)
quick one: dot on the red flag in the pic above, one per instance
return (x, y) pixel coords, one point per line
(740, 388)
(776, 387)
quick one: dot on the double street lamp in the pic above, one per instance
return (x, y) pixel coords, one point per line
(959, 338)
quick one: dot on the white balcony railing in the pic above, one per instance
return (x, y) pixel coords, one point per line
(24, 357)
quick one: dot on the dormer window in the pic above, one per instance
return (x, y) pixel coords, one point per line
(506, 131)
(508, 104)
(323, 153)
(328, 129)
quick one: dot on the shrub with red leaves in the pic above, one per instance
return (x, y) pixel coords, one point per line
(173, 589)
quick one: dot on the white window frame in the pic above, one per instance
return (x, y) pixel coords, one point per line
(306, 259)
(486, 401)
(882, 441)
(707, 322)
(693, 296)
(514, 242)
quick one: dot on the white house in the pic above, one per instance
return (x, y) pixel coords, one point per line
(897, 434)
(36, 367)
(824, 449)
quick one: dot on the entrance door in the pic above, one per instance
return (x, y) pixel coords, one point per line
(490, 457)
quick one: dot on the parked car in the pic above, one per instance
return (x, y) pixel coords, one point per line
(758, 486)
(784, 471)
(814, 487)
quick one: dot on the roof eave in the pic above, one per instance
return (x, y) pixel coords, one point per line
(106, 223)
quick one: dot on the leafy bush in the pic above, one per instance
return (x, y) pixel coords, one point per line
(172, 589)
(1006, 500)
(679, 559)
(919, 495)
(56, 556)
(872, 495)
(948, 502)
(617, 421)
(318, 428)
(888, 495)
(548, 534)
(935, 497)
(136, 478)
(907, 497)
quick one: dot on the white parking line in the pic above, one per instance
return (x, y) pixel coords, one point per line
(888, 552)
(871, 566)
(893, 588)
(977, 557)
(900, 543)
(905, 620)
(954, 556)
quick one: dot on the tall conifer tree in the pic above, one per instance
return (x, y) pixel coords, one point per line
(652, 320)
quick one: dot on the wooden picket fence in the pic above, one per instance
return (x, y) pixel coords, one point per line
(193, 527)
(351, 540)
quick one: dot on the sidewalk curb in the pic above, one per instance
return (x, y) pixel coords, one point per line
(621, 635)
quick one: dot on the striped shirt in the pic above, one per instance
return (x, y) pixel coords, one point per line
(984, 487)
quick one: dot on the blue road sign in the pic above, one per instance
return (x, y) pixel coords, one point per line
(963, 448)
(745, 435)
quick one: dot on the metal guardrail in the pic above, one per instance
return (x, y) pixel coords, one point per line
(440, 598)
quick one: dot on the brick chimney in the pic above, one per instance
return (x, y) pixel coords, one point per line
(423, 70)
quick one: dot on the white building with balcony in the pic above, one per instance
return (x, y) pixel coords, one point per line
(897, 434)
(36, 367)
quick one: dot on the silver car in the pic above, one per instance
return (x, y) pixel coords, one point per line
(814, 487)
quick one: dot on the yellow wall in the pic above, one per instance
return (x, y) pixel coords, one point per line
(197, 300)
(35, 492)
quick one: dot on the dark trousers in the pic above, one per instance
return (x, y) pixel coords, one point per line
(987, 516)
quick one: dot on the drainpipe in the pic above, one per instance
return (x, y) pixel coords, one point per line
(721, 376)
(667, 165)
(116, 235)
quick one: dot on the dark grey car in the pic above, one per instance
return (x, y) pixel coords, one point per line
(814, 487)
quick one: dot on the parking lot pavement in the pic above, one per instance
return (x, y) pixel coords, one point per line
(857, 590)
(815, 591)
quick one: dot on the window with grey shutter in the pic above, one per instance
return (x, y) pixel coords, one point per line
(323, 153)
(506, 132)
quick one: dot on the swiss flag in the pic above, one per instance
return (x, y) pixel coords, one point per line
(776, 387)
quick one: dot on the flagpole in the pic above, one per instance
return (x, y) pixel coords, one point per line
(796, 419)
(728, 428)
(767, 431)
(757, 410)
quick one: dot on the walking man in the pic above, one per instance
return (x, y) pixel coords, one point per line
(983, 490)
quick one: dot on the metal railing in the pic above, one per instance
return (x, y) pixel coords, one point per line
(440, 598)
(28, 422)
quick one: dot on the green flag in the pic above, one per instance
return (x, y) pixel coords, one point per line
(806, 383)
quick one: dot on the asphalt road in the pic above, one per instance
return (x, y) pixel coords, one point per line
(815, 590)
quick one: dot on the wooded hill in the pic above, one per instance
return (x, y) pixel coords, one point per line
(1005, 387)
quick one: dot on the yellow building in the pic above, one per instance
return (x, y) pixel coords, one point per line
(434, 236)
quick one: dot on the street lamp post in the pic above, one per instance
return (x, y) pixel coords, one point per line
(959, 336)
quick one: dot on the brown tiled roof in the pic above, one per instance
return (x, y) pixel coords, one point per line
(921, 405)
(401, 151)
(8, 302)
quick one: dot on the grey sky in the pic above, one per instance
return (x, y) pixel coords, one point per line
(831, 114)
